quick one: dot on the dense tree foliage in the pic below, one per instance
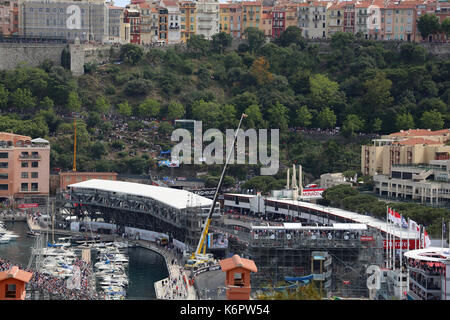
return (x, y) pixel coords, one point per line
(357, 85)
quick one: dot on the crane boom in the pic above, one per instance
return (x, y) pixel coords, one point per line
(201, 242)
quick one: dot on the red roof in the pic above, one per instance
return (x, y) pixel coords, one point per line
(414, 141)
(16, 273)
(420, 132)
(238, 262)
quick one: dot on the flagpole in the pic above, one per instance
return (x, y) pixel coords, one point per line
(387, 237)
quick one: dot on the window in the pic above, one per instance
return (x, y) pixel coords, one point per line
(34, 175)
(3, 176)
(24, 175)
(10, 291)
(3, 165)
(24, 164)
(3, 155)
(24, 187)
(34, 186)
(3, 187)
(34, 164)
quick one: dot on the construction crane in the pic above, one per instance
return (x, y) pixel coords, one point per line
(199, 257)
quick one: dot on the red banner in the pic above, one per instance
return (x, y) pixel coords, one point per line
(366, 238)
(412, 244)
(27, 205)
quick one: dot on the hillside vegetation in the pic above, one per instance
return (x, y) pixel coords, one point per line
(125, 111)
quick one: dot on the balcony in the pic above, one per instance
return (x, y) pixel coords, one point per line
(205, 27)
(29, 156)
(205, 18)
(174, 27)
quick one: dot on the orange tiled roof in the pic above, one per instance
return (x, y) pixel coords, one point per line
(414, 141)
(419, 132)
(16, 273)
(238, 262)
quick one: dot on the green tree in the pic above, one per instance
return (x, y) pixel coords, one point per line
(404, 121)
(208, 112)
(255, 38)
(102, 105)
(23, 99)
(254, 117)
(46, 104)
(98, 150)
(352, 124)
(73, 102)
(124, 109)
(278, 116)
(376, 125)
(228, 117)
(175, 110)
(220, 41)
(324, 92)
(244, 100)
(445, 26)
(131, 53)
(303, 117)
(93, 120)
(165, 128)
(428, 24)
(148, 108)
(432, 120)
(326, 118)
(377, 94)
(3, 96)
(198, 44)
(289, 36)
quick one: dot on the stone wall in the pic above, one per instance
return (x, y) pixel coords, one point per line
(32, 54)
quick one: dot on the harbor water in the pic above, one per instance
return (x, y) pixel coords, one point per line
(145, 266)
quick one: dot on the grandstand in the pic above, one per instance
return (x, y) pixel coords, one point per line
(179, 213)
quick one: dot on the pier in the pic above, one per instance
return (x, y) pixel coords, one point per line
(165, 288)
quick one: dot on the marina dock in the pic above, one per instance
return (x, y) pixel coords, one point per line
(165, 288)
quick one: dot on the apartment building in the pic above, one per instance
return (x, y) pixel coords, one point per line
(251, 14)
(235, 20)
(335, 21)
(9, 17)
(24, 167)
(291, 15)
(119, 31)
(66, 19)
(349, 16)
(441, 9)
(163, 15)
(207, 15)
(173, 21)
(405, 147)
(266, 18)
(224, 17)
(278, 21)
(187, 19)
(133, 17)
(362, 19)
(399, 21)
(428, 183)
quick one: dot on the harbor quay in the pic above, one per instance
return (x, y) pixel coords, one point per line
(175, 287)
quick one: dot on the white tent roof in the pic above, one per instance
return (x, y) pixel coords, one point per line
(39, 140)
(176, 198)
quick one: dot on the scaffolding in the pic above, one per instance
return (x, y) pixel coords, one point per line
(287, 253)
